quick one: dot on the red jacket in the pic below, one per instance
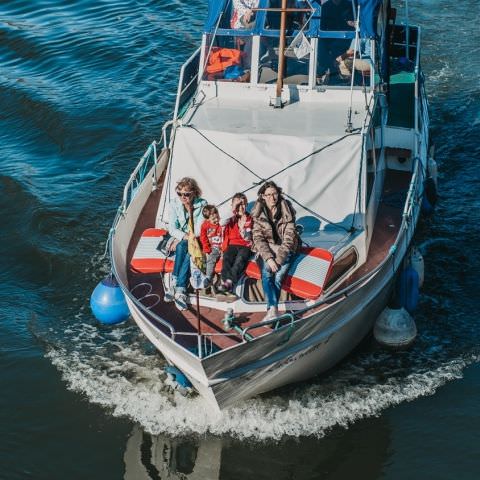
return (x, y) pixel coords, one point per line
(232, 235)
(210, 236)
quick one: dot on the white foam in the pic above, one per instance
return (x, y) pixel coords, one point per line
(131, 383)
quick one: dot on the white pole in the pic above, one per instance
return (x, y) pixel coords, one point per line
(355, 49)
(407, 33)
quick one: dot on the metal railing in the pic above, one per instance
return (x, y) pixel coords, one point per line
(187, 83)
(138, 175)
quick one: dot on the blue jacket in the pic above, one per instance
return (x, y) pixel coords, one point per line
(178, 218)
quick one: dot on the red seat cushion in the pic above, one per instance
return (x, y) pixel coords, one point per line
(146, 258)
(307, 273)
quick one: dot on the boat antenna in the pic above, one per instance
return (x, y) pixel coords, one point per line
(349, 128)
(281, 46)
(407, 33)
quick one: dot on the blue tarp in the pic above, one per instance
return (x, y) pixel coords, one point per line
(214, 9)
(368, 20)
(368, 17)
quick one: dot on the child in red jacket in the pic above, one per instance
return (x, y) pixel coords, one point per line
(237, 240)
(211, 238)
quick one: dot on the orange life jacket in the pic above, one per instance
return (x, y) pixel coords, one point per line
(221, 58)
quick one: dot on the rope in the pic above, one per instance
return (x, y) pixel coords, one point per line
(359, 186)
(224, 152)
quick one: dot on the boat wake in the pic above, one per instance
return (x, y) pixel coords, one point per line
(120, 371)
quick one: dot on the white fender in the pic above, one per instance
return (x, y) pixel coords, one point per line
(395, 328)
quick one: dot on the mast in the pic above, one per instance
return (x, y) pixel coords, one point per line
(281, 55)
(281, 46)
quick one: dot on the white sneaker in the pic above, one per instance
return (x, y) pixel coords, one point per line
(181, 301)
(271, 314)
(169, 295)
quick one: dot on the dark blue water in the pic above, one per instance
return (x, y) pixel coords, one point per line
(84, 88)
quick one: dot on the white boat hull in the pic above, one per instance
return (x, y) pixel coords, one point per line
(285, 356)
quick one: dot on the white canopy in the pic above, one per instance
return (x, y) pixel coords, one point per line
(323, 187)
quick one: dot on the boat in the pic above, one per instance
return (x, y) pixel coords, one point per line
(352, 154)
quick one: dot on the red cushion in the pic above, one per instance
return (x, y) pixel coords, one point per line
(307, 273)
(146, 258)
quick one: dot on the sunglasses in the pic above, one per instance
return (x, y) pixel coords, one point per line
(184, 194)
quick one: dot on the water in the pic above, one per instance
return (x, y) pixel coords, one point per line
(84, 87)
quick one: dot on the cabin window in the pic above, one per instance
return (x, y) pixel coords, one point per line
(335, 62)
(295, 69)
(343, 265)
(229, 58)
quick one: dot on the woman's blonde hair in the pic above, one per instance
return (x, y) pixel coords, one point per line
(191, 184)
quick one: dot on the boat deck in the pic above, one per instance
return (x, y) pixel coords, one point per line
(324, 112)
(387, 225)
(388, 221)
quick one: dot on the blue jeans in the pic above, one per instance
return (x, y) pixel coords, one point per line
(181, 267)
(272, 282)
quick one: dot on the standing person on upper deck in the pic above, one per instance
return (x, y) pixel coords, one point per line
(186, 206)
(275, 239)
(243, 15)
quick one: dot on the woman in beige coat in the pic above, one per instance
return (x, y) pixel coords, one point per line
(275, 239)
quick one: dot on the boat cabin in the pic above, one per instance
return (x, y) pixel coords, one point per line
(318, 45)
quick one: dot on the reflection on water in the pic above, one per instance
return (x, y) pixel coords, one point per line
(154, 457)
(343, 454)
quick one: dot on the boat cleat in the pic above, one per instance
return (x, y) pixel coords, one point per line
(228, 319)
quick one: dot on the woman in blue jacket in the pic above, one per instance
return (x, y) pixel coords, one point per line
(187, 203)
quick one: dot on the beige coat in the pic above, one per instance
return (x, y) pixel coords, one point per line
(263, 238)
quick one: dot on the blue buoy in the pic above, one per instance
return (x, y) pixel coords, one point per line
(427, 208)
(408, 289)
(431, 191)
(108, 302)
(429, 198)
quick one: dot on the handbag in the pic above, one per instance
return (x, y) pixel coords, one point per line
(165, 245)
